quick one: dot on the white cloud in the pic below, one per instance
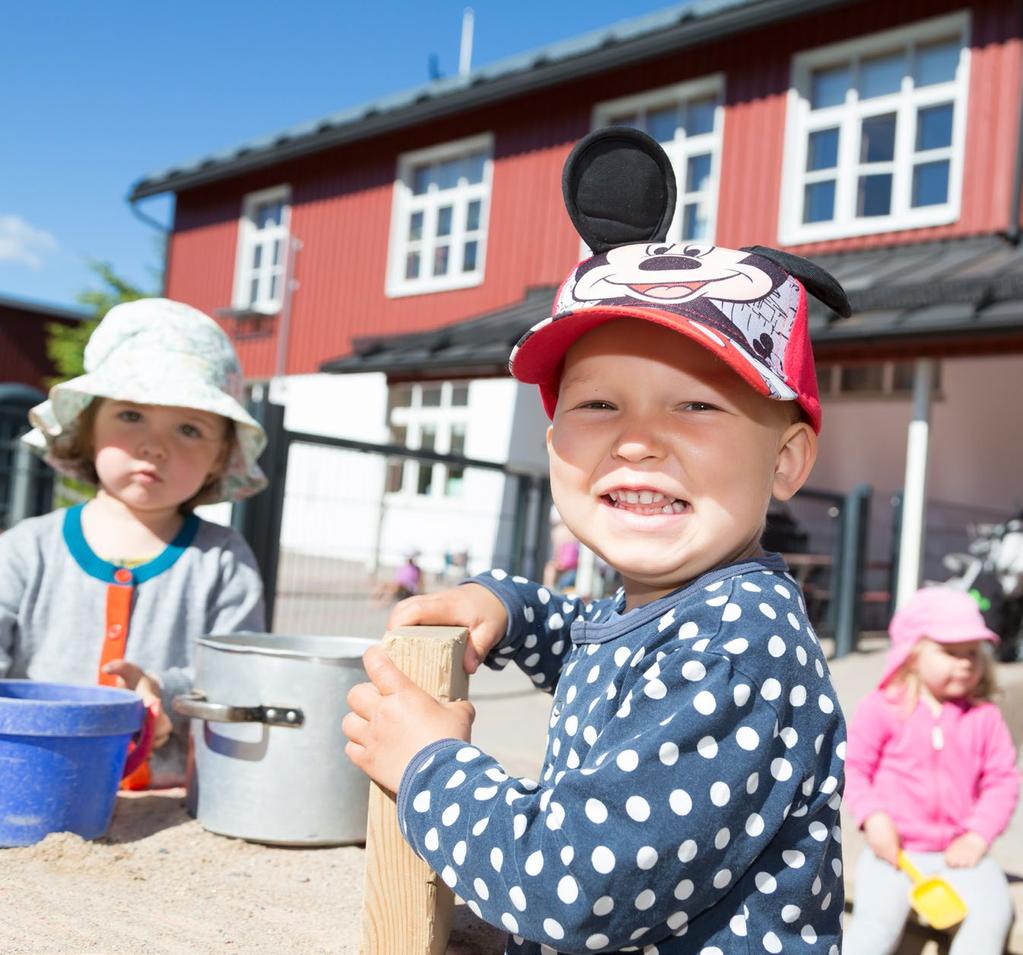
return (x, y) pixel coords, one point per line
(20, 241)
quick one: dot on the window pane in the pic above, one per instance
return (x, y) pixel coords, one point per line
(469, 256)
(930, 183)
(395, 473)
(819, 201)
(277, 252)
(254, 291)
(880, 75)
(874, 196)
(828, 87)
(453, 484)
(474, 168)
(457, 439)
(624, 119)
(440, 260)
(862, 378)
(447, 173)
(700, 116)
(662, 123)
(444, 220)
(472, 216)
(902, 376)
(934, 127)
(460, 397)
(824, 379)
(425, 479)
(420, 180)
(936, 62)
(430, 399)
(694, 221)
(257, 256)
(274, 284)
(877, 139)
(822, 149)
(268, 214)
(412, 265)
(415, 227)
(697, 173)
(398, 396)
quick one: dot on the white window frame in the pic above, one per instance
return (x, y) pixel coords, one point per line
(801, 121)
(683, 146)
(405, 204)
(248, 237)
(444, 419)
(831, 388)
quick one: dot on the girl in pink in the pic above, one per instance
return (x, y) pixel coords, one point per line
(931, 769)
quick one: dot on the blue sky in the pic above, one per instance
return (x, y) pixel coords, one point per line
(97, 95)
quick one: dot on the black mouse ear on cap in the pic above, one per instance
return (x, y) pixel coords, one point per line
(619, 188)
(820, 283)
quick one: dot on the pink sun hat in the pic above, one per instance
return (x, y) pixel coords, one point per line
(937, 613)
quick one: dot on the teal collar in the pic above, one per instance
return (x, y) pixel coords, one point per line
(95, 566)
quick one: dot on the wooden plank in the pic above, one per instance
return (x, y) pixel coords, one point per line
(407, 909)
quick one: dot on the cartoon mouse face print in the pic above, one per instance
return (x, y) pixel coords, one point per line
(661, 274)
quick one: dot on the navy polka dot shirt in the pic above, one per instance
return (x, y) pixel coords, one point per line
(689, 795)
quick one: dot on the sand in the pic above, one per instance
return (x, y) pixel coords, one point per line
(159, 884)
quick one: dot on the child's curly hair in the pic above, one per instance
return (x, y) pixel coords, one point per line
(76, 450)
(904, 684)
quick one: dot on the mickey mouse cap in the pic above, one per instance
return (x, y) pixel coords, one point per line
(748, 306)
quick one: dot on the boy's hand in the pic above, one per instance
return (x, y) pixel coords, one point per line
(470, 605)
(392, 720)
(966, 851)
(148, 687)
(882, 837)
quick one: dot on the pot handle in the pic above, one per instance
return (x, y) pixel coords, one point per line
(196, 705)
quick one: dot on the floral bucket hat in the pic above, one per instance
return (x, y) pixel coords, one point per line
(156, 352)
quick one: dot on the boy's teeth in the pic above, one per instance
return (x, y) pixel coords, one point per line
(661, 503)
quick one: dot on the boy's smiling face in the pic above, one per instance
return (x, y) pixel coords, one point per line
(663, 460)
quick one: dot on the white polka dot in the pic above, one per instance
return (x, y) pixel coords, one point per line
(656, 690)
(467, 754)
(481, 889)
(431, 840)
(818, 831)
(765, 882)
(451, 814)
(797, 695)
(826, 704)
(449, 877)
(693, 670)
(603, 859)
(684, 889)
(603, 905)
(738, 645)
(534, 863)
(528, 614)
(543, 595)
(747, 738)
(718, 601)
(458, 853)
(509, 922)
(645, 899)
(731, 613)
(478, 828)
(646, 858)
(776, 646)
(597, 941)
(637, 808)
(754, 824)
(704, 702)
(808, 934)
(752, 783)
(793, 858)
(496, 858)
(553, 929)
(771, 689)
(627, 760)
(701, 644)
(457, 778)
(720, 794)
(836, 865)
(518, 825)
(707, 747)
(772, 943)
(483, 793)
(789, 737)
(568, 890)
(790, 913)
(666, 620)
(768, 611)
(596, 811)
(518, 898)
(738, 925)
(721, 878)
(741, 694)
(710, 588)
(680, 802)
(422, 802)
(793, 620)
(555, 621)
(555, 816)
(676, 920)
(593, 675)
(840, 751)
(567, 854)
(687, 851)
(621, 655)
(781, 769)
(829, 785)
(498, 574)
(722, 838)
(783, 591)
(819, 667)
(801, 656)
(688, 630)
(668, 754)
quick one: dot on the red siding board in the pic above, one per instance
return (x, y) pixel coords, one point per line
(342, 197)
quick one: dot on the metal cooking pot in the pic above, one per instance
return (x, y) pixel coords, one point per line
(268, 761)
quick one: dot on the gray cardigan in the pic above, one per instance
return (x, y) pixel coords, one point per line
(53, 591)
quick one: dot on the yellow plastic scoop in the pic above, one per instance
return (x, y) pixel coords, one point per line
(932, 897)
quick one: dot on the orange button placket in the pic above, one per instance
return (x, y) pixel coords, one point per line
(115, 634)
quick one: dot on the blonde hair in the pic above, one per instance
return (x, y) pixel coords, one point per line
(904, 684)
(76, 450)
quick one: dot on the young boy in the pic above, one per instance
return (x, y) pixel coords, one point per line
(689, 795)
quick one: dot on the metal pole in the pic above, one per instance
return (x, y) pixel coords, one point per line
(914, 501)
(849, 580)
(21, 484)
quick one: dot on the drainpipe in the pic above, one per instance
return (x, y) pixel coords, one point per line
(1013, 232)
(914, 502)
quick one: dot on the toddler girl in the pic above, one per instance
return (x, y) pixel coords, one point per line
(117, 590)
(931, 770)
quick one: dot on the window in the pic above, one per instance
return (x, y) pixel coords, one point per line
(686, 120)
(427, 416)
(439, 218)
(876, 132)
(891, 379)
(262, 250)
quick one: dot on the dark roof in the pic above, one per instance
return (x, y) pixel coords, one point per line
(44, 311)
(907, 295)
(629, 41)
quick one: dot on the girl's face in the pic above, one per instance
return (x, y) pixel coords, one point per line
(152, 457)
(950, 671)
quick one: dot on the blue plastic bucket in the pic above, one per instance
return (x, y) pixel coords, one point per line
(62, 751)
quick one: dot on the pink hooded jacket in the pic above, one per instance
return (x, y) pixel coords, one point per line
(937, 777)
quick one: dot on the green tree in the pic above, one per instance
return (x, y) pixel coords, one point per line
(65, 344)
